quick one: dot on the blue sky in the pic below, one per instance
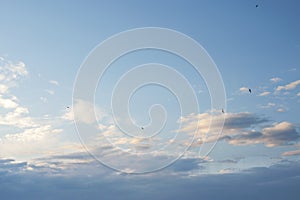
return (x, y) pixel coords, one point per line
(43, 45)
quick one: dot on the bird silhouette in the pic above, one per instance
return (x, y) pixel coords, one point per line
(250, 90)
(223, 110)
(256, 6)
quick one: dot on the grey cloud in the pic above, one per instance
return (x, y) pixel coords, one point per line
(243, 120)
(277, 182)
(283, 133)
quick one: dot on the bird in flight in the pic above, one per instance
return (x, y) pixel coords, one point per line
(223, 110)
(142, 128)
(256, 6)
(250, 90)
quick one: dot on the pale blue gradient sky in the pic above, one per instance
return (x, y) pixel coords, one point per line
(249, 45)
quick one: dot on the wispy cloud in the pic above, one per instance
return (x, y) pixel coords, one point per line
(269, 105)
(281, 110)
(54, 82)
(51, 92)
(289, 86)
(44, 99)
(264, 94)
(244, 90)
(291, 153)
(275, 80)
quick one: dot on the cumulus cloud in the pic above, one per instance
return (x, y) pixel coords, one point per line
(289, 86)
(22, 133)
(283, 133)
(3, 89)
(241, 129)
(7, 102)
(11, 72)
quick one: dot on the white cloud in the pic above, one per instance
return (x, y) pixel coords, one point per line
(7, 103)
(275, 80)
(2, 77)
(44, 99)
(280, 110)
(3, 89)
(244, 90)
(32, 134)
(24, 133)
(54, 82)
(269, 105)
(298, 94)
(12, 71)
(85, 112)
(264, 94)
(51, 92)
(289, 86)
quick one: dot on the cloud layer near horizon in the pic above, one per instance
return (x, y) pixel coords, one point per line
(89, 181)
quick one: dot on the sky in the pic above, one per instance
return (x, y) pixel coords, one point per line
(151, 125)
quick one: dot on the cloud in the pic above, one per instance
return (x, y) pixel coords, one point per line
(3, 89)
(289, 86)
(93, 181)
(30, 142)
(269, 105)
(7, 103)
(51, 92)
(11, 72)
(240, 129)
(283, 133)
(264, 94)
(44, 99)
(292, 153)
(54, 82)
(244, 90)
(298, 94)
(186, 165)
(280, 110)
(292, 69)
(85, 112)
(275, 80)
(21, 134)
